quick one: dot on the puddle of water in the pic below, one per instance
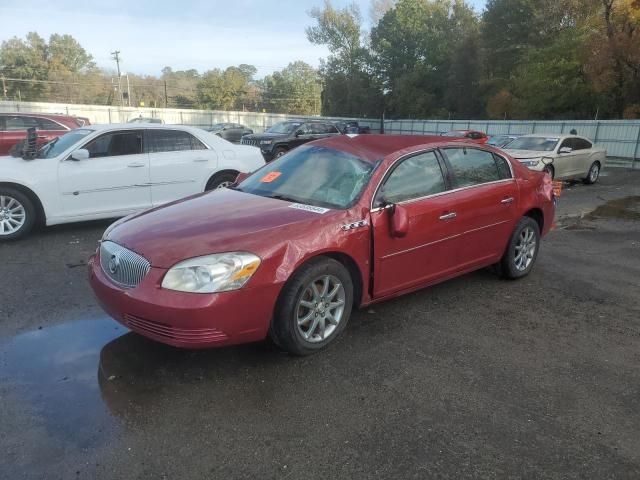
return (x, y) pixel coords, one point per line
(49, 379)
(623, 209)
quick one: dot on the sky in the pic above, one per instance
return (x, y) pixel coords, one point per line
(200, 34)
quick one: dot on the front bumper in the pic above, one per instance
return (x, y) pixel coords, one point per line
(186, 320)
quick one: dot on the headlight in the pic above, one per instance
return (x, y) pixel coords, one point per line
(266, 142)
(212, 273)
(531, 162)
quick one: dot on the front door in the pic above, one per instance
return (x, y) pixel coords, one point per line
(418, 185)
(566, 164)
(114, 180)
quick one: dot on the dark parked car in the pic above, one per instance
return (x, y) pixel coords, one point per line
(351, 127)
(285, 136)
(231, 132)
(13, 127)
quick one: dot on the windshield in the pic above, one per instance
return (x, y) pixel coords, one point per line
(453, 134)
(58, 145)
(217, 126)
(536, 144)
(318, 176)
(284, 127)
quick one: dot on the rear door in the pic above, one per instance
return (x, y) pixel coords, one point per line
(418, 184)
(48, 130)
(180, 164)
(114, 180)
(484, 201)
(15, 130)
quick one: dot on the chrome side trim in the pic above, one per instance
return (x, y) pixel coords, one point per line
(442, 240)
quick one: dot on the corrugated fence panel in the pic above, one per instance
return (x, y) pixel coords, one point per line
(621, 138)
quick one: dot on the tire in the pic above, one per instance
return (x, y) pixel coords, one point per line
(278, 152)
(593, 174)
(522, 251)
(551, 171)
(17, 214)
(221, 180)
(302, 323)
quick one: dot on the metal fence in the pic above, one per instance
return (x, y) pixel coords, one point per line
(621, 138)
(199, 118)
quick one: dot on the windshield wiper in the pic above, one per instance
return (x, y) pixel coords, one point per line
(284, 198)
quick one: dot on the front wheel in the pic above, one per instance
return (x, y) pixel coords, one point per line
(279, 152)
(522, 251)
(17, 214)
(221, 180)
(594, 174)
(313, 308)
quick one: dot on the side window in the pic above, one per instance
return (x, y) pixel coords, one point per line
(567, 143)
(415, 177)
(472, 166)
(171, 141)
(16, 122)
(503, 167)
(331, 128)
(474, 135)
(581, 144)
(115, 144)
(45, 124)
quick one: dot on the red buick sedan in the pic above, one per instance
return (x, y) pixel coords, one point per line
(339, 223)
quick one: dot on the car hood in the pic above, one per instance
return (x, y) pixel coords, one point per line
(223, 220)
(525, 154)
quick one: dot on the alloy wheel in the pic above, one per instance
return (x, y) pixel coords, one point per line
(320, 308)
(12, 215)
(525, 249)
(224, 184)
(594, 173)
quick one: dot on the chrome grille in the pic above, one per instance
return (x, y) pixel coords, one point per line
(122, 266)
(248, 141)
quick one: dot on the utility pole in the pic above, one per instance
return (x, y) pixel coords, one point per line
(116, 57)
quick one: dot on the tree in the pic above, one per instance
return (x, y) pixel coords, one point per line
(224, 89)
(295, 89)
(25, 59)
(350, 87)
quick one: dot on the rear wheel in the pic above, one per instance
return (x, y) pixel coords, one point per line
(221, 180)
(313, 308)
(522, 251)
(17, 214)
(593, 175)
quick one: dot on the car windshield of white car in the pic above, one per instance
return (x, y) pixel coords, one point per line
(58, 145)
(312, 175)
(536, 144)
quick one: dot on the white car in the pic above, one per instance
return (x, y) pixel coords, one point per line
(109, 171)
(563, 156)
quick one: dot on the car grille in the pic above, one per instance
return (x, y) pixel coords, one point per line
(169, 332)
(122, 266)
(249, 141)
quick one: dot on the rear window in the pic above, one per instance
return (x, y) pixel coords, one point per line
(473, 167)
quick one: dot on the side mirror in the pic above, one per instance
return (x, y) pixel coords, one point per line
(241, 177)
(399, 221)
(565, 150)
(80, 154)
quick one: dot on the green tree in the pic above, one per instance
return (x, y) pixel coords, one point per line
(26, 60)
(350, 86)
(295, 89)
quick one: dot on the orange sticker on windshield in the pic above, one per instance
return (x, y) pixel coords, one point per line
(270, 177)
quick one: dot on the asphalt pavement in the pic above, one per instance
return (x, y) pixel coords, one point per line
(473, 378)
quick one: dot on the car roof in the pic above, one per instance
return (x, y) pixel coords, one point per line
(139, 126)
(559, 136)
(375, 147)
(41, 115)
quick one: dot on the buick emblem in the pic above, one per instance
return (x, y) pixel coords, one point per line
(114, 263)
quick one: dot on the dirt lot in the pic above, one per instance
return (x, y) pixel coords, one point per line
(474, 378)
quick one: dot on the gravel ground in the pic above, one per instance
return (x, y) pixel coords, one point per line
(474, 378)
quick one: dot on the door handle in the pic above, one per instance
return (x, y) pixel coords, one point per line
(136, 165)
(448, 216)
(201, 160)
(507, 201)
(42, 136)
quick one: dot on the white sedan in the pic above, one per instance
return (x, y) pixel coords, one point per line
(109, 171)
(563, 156)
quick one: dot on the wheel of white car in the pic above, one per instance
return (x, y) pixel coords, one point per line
(17, 214)
(221, 180)
(594, 174)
